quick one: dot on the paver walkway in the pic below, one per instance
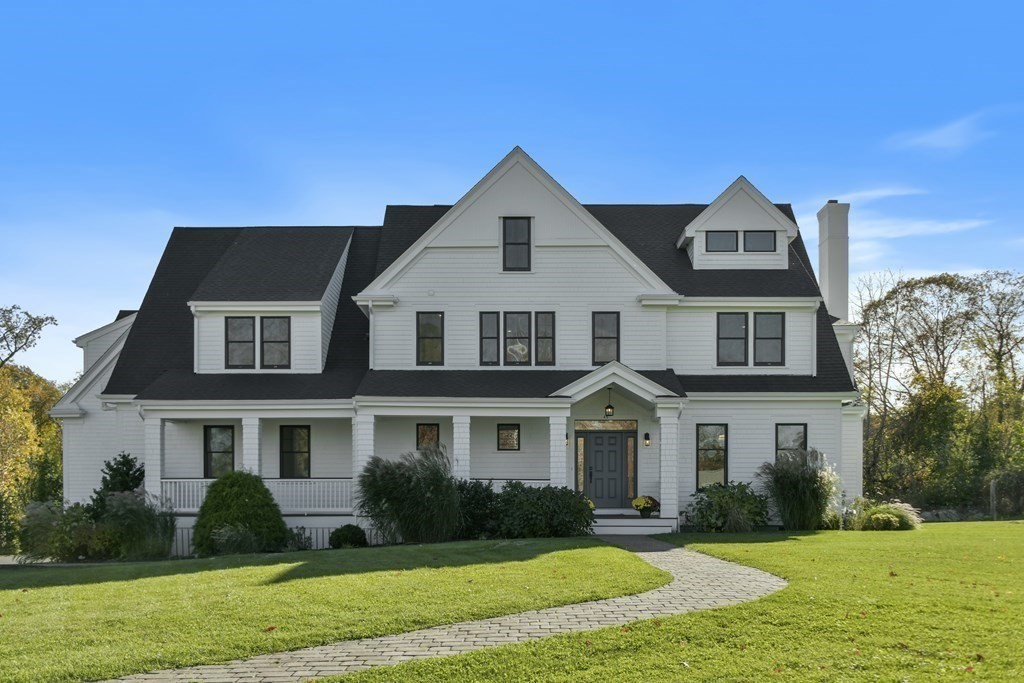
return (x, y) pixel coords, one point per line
(700, 582)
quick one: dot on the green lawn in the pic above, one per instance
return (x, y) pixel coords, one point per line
(95, 622)
(942, 603)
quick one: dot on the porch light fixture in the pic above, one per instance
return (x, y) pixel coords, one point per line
(647, 438)
(609, 410)
(567, 438)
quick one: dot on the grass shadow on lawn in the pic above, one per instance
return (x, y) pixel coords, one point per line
(298, 565)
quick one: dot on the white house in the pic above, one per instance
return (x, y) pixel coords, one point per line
(619, 349)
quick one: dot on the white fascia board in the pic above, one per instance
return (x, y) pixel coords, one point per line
(794, 302)
(622, 375)
(741, 184)
(516, 156)
(255, 306)
(376, 298)
(473, 407)
(69, 401)
(772, 395)
(124, 322)
(202, 410)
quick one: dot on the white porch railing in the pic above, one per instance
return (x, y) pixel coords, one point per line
(295, 496)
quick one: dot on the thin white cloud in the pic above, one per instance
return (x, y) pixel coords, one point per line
(877, 227)
(949, 137)
(862, 197)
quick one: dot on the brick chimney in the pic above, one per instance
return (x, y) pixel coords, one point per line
(834, 257)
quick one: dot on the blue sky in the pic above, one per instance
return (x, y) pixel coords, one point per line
(119, 121)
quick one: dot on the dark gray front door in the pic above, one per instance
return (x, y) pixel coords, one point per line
(606, 472)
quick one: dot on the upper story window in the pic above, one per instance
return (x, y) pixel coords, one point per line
(721, 240)
(759, 240)
(517, 339)
(489, 338)
(430, 339)
(515, 244)
(769, 338)
(275, 342)
(545, 342)
(218, 450)
(239, 342)
(295, 450)
(606, 337)
(732, 339)
(790, 438)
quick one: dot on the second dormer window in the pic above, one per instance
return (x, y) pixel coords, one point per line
(515, 244)
(275, 342)
(759, 240)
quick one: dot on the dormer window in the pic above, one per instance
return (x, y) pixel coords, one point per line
(275, 342)
(721, 240)
(515, 244)
(240, 342)
(759, 240)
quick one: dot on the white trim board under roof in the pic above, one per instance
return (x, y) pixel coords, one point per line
(516, 157)
(119, 324)
(620, 375)
(68, 406)
(740, 185)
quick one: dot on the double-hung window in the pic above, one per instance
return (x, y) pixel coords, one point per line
(605, 342)
(732, 339)
(490, 336)
(790, 438)
(515, 244)
(769, 338)
(218, 450)
(275, 342)
(712, 454)
(239, 342)
(430, 338)
(517, 339)
(545, 340)
(295, 451)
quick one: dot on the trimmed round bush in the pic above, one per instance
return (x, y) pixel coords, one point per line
(240, 500)
(348, 536)
(881, 521)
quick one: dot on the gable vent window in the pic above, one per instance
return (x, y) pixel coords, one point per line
(721, 240)
(275, 342)
(732, 338)
(430, 339)
(515, 244)
(769, 338)
(240, 342)
(489, 339)
(759, 240)
(517, 339)
(545, 353)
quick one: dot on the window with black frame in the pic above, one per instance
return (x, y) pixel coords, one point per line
(275, 342)
(239, 342)
(218, 450)
(428, 435)
(721, 240)
(515, 244)
(712, 454)
(517, 339)
(732, 339)
(759, 240)
(490, 339)
(508, 437)
(295, 452)
(605, 347)
(430, 338)
(769, 339)
(790, 439)
(545, 341)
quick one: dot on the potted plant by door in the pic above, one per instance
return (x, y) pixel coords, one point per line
(646, 506)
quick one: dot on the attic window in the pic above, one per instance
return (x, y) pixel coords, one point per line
(515, 244)
(721, 240)
(759, 240)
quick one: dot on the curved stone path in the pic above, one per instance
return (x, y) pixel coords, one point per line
(700, 582)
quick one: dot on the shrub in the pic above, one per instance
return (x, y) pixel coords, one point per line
(8, 523)
(36, 535)
(530, 512)
(732, 507)
(1009, 483)
(234, 539)
(802, 488)
(414, 499)
(646, 505)
(348, 536)
(865, 511)
(123, 473)
(298, 540)
(477, 501)
(240, 499)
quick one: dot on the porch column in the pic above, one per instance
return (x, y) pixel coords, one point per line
(557, 438)
(362, 445)
(668, 416)
(460, 446)
(251, 445)
(153, 458)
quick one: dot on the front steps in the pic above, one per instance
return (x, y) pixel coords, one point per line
(631, 525)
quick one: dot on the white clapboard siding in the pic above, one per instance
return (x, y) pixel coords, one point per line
(531, 461)
(692, 343)
(306, 339)
(465, 282)
(330, 442)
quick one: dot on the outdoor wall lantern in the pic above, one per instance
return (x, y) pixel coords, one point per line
(609, 410)
(647, 438)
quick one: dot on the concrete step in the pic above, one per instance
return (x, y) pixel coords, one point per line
(627, 525)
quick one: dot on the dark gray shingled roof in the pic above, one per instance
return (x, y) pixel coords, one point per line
(156, 362)
(275, 264)
(485, 383)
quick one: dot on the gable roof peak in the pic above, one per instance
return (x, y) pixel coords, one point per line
(741, 184)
